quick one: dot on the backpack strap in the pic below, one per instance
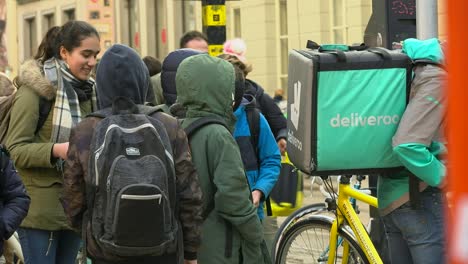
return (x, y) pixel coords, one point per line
(414, 194)
(44, 108)
(268, 206)
(190, 130)
(253, 118)
(4, 159)
(427, 62)
(314, 45)
(150, 110)
(201, 122)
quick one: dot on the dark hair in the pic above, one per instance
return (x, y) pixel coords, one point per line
(153, 65)
(69, 36)
(191, 35)
(47, 49)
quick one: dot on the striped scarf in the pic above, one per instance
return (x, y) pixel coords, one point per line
(67, 112)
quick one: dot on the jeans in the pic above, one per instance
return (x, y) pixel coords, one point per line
(49, 247)
(417, 235)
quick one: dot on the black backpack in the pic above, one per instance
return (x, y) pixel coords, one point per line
(133, 187)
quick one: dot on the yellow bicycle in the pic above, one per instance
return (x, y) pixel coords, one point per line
(320, 238)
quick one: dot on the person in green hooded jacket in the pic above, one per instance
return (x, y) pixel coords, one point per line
(231, 232)
(415, 229)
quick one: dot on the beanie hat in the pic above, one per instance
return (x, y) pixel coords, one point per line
(236, 47)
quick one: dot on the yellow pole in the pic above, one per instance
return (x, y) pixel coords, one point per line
(214, 25)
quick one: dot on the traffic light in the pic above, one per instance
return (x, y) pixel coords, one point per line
(392, 21)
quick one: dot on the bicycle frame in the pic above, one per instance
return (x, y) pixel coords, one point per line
(345, 212)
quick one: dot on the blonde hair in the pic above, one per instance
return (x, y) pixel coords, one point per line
(233, 59)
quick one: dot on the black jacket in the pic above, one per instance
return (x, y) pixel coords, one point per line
(14, 201)
(269, 109)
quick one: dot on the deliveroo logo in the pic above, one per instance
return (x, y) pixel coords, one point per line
(356, 120)
(295, 106)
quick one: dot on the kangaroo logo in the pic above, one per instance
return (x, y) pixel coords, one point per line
(295, 106)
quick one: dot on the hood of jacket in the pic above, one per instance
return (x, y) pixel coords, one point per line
(121, 72)
(31, 75)
(253, 88)
(169, 69)
(248, 100)
(206, 85)
(428, 49)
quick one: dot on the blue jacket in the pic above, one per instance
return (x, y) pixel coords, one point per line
(264, 174)
(14, 201)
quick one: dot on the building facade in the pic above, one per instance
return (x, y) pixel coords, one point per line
(153, 27)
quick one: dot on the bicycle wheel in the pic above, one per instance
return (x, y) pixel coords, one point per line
(307, 241)
(292, 219)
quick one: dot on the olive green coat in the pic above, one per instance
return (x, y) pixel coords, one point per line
(32, 153)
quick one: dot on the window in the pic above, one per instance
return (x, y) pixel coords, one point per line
(129, 23)
(48, 21)
(339, 27)
(237, 23)
(283, 20)
(94, 15)
(30, 37)
(185, 11)
(132, 15)
(160, 29)
(68, 15)
(188, 16)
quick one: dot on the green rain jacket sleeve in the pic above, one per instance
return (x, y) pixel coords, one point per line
(232, 197)
(421, 162)
(21, 140)
(415, 141)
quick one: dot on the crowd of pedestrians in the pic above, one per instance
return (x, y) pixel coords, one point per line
(219, 207)
(224, 169)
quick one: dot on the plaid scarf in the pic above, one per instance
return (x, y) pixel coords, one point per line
(67, 113)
